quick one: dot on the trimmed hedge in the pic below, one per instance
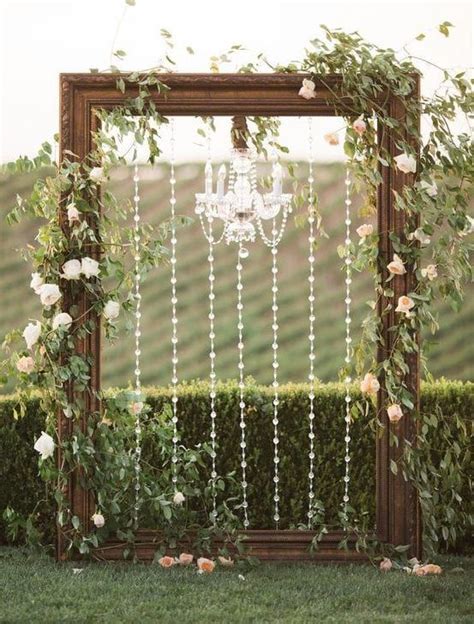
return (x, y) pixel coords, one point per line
(21, 487)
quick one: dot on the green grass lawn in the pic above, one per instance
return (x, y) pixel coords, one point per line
(34, 588)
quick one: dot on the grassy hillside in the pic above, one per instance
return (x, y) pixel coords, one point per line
(450, 357)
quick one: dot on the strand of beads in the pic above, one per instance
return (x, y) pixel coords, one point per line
(138, 388)
(311, 336)
(276, 402)
(174, 318)
(212, 373)
(240, 346)
(348, 320)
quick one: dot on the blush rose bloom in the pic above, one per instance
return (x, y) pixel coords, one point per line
(370, 384)
(359, 126)
(136, 407)
(307, 91)
(45, 445)
(179, 498)
(49, 294)
(420, 236)
(405, 304)
(31, 334)
(396, 267)
(185, 559)
(405, 163)
(385, 565)
(394, 412)
(26, 364)
(205, 565)
(366, 229)
(98, 520)
(63, 319)
(167, 562)
(36, 282)
(73, 214)
(429, 568)
(111, 310)
(227, 562)
(430, 272)
(89, 267)
(71, 270)
(331, 138)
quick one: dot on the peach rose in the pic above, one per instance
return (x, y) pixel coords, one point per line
(385, 565)
(331, 138)
(430, 272)
(167, 562)
(370, 384)
(405, 304)
(227, 562)
(26, 364)
(429, 568)
(136, 407)
(366, 229)
(359, 125)
(307, 91)
(394, 412)
(185, 559)
(396, 267)
(205, 565)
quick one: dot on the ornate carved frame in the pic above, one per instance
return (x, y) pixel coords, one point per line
(397, 510)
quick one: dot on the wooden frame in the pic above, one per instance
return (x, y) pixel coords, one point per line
(397, 515)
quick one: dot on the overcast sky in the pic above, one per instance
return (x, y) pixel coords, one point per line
(42, 38)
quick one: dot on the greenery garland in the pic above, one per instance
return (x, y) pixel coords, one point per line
(437, 249)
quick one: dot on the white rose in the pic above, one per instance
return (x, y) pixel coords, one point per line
(98, 519)
(72, 213)
(49, 294)
(111, 310)
(178, 498)
(62, 319)
(307, 91)
(397, 266)
(90, 267)
(405, 304)
(419, 235)
(394, 413)
(370, 384)
(366, 229)
(71, 270)
(97, 174)
(406, 164)
(45, 445)
(31, 333)
(430, 188)
(26, 364)
(430, 272)
(36, 282)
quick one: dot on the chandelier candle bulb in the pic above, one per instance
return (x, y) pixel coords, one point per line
(221, 176)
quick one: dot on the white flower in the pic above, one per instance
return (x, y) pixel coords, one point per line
(178, 498)
(430, 188)
(49, 294)
(90, 267)
(385, 565)
(36, 282)
(394, 412)
(419, 235)
(307, 91)
(62, 319)
(331, 138)
(405, 304)
(71, 270)
(366, 229)
(26, 364)
(241, 577)
(77, 570)
(97, 174)
(73, 214)
(98, 519)
(31, 333)
(397, 266)
(111, 310)
(359, 125)
(136, 407)
(405, 163)
(430, 272)
(45, 445)
(370, 384)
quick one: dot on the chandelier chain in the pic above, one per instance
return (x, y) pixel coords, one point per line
(348, 357)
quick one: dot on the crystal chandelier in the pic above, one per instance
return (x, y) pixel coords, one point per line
(242, 207)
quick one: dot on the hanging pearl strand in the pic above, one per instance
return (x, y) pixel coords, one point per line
(276, 402)
(174, 318)
(311, 336)
(348, 320)
(240, 347)
(138, 389)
